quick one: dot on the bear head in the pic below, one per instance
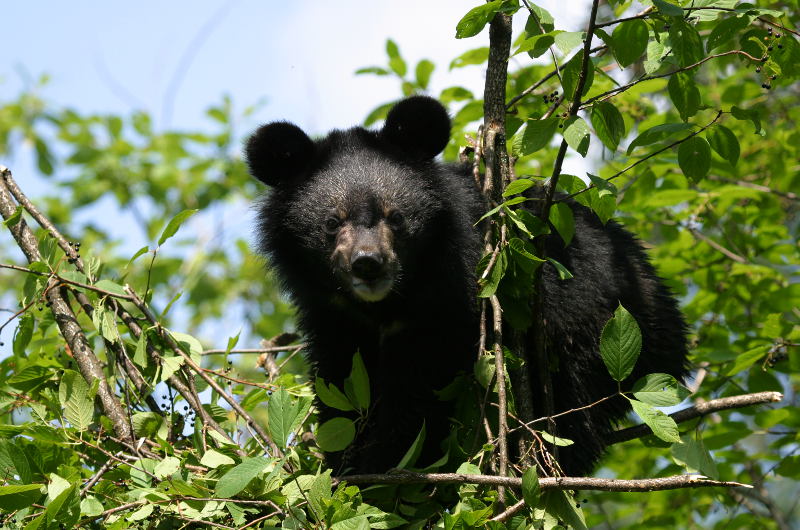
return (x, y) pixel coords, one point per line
(355, 208)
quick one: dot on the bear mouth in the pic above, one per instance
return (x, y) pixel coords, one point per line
(371, 290)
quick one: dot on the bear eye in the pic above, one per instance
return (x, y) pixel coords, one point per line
(332, 224)
(396, 219)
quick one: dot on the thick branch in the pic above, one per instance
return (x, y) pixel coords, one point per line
(546, 483)
(88, 363)
(700, 409)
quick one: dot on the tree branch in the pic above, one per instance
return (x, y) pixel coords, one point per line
(545, 483)
(89, 365)
(697, 410)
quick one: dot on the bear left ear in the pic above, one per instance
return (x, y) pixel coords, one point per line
(419, 126)
(277, 152)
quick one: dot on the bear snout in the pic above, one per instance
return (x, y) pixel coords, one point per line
(367, 265)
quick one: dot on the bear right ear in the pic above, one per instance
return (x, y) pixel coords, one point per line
(419, 126)
(277, 152)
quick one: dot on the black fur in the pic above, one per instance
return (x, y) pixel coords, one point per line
(356, 209)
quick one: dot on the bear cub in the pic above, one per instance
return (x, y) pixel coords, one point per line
(376, 244)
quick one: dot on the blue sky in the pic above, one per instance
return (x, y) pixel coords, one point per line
(174, 59)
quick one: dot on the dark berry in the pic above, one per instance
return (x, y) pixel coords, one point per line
(767, 86)
(764, 59)
(780, 46)
(758, 69)
(769, 48)
(773, 76)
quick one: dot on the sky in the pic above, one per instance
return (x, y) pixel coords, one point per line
(175, 59)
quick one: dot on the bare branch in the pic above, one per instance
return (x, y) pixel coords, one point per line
(697, 410)
(545, 483)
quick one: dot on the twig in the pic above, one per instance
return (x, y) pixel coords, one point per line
(271, 349)
(623, 88)
(510, 512)
(199, 371)
(100, 472)
(545, 483)
(651, 155)
(695, 411)
(500, 378)
(716, 246)
(760, 187)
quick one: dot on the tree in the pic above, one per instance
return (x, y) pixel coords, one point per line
(113, 417)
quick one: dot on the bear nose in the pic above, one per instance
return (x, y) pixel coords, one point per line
(367, 265)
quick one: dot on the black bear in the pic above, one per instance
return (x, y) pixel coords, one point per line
(376, 243)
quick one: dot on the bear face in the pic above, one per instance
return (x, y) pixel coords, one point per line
(376, 243)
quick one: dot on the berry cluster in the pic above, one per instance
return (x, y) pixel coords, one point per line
(76, 246)
(770, 46)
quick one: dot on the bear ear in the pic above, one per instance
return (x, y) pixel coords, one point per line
(278, 151)
(419, 126)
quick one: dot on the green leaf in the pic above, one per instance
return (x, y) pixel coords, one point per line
(138, 253)
(656, 51)
(533, 136)
(563, 272)
(668, 9)
(413, 452)
(360, 383)
(630, 41)
(174, 224)
(528, 223)
(725, 143)
(238, 477)
(73, 393)
(563, 220)
(570, 74)
(23, 334)
(555, 440)
(694, 457)
(476, 19)
(166, 467)
(577, 135)
(561, 505)
(657, 133)
(672, 197)
(684, 94)
(335, 434)
(694, 157)
(16, 497)
(748, 114)
(686, 43)
(523, 254)
(375, 70)
(659, 390)
(539, 20)
(423, 73)
(476, 56)
(620, 344)
(111, 287)
(747, 359)
(282, 412)
(569, 40)
(536, 45)
(490, 283)
(530, 487)
(214, 459)
(517, 186)
(14, 218)
(331, 396)
(608, 124)
(29, 378)
(725, 30)
(662, 425)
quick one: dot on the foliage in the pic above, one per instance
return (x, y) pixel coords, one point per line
(687, 120)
